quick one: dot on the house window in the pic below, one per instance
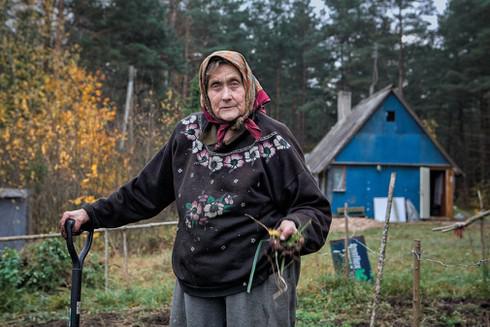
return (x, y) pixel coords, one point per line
(338, 179)
(390, 116)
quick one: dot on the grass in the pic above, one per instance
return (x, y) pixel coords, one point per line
(327, 300)
(451, 295)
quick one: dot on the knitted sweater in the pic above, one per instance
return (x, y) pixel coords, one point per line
(215, 241)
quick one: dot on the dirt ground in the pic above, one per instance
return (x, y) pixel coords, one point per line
(355, 224)
(132, 318)
(397, 313)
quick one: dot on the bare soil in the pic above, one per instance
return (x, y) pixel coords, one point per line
(394, 312)
(117, 319)
(355, 224)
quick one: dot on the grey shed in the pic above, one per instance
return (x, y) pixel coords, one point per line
(14, 216)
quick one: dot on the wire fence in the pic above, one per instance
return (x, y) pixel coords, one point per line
(375, 252)
(106, 232)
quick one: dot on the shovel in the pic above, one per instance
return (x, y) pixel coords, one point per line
(76, 272)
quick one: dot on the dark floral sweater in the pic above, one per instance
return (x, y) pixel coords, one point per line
(215, 242)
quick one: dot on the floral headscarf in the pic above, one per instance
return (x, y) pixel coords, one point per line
(255, 96)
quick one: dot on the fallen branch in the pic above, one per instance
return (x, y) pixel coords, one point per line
(462, 224)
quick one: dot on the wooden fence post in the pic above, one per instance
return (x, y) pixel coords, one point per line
(482, 241)
(382, 251)
(125, 250)
(346, 244)
(416, 283)
(106, 260)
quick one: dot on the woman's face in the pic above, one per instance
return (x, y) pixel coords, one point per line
(226, 92)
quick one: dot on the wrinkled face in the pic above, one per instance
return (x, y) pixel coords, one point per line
(226, 92)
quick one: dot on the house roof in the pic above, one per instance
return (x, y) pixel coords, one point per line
(344, 130)
(12, 193)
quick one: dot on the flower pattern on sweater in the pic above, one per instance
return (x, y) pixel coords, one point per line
(265, 148)
(205, 207)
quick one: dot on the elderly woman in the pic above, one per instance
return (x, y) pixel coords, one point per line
(231, 170)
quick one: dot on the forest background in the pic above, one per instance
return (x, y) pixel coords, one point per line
(64, 71)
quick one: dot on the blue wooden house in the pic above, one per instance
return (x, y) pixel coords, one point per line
(381, 134)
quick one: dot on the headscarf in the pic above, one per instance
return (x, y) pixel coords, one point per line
(255, 97)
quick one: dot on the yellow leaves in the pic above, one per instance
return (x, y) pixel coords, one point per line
(59, 127)
(83, 199)
(23, 105)
(6, 135)
(273, 233)
(94, 170)
(3, 113)
(64, 159)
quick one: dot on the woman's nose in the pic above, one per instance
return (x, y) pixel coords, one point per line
(226, 93)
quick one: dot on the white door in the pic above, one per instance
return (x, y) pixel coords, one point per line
(424, 192)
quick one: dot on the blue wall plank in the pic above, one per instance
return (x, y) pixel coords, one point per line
(364, 183)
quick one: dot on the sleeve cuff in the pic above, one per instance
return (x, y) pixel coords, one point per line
(90, 225)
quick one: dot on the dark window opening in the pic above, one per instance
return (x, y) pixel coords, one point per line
(390, 116)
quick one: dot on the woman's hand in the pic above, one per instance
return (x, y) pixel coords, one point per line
(287, 228)
(80, 217)
(290, 240)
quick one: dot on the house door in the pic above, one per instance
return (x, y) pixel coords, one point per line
(424, 192)
(438, 193)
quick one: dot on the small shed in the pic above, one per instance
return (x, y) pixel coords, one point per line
(382, 134)
(14, 215)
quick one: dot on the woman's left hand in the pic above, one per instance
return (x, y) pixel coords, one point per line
(287, 228)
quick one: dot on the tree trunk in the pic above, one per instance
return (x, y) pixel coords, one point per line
(187, 37)
(484, 141)
(401, 55)
(127, 107)
(302, 100)
(277, 100)
(60, 26)
(462, 146)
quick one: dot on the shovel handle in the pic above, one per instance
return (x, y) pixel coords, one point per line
(76, 259)
(76, 273)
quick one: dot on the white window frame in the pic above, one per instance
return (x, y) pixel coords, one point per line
(338, 179)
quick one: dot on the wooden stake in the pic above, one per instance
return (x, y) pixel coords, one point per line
(346, 244)
(106, 260)
(381, 258)
(483, 252)
(416, 283)
(482, 240)
(125, 250)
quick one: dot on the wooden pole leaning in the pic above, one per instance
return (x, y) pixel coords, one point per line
(346, 244)
(382, 251)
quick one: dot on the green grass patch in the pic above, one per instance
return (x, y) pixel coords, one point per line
(452, 292)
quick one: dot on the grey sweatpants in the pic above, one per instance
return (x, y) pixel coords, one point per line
(255, 309)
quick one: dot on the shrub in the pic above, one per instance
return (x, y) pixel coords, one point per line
(10, 279)
(10, 269)
(46, 265)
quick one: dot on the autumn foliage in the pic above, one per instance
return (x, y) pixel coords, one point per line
(59, 134)
(56, 137)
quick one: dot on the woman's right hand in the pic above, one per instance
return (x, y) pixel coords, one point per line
(80, 217)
